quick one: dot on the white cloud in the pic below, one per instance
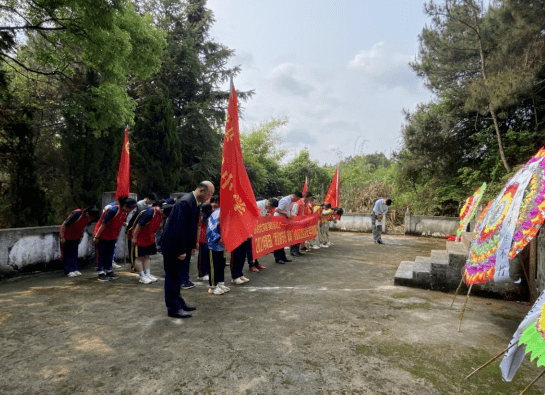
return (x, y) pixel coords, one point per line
(288, 79)
(384, 66)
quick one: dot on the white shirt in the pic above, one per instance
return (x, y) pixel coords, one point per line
(284, 204)
(142, 205)
(294, 210)
(261, 206)
(380, 207)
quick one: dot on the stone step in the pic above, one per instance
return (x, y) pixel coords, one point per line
(466, 239)
(456, 248)
(439, 257)
(422, 272)
(422, 259)
(404, 274)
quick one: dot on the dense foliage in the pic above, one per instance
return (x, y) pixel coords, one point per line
(486, 67)
(75, 73)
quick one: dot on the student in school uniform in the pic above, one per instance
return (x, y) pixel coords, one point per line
(105, 236)
(147, 222)
(203, 261)
(70, 235)
(217, 253)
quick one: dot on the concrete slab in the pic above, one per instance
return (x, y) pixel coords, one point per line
(404, 274)
(423, 259)
(331, 322)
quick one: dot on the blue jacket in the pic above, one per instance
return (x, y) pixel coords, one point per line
(213, 234)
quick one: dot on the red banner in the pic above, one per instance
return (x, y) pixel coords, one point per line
(273, 233)
(123, 174)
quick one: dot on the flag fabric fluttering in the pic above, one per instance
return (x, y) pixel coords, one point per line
(239, 212)
(123, 173)
(527, 338)
(305, 187)
(332, 195)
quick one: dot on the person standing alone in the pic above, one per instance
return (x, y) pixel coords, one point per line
(379, 211)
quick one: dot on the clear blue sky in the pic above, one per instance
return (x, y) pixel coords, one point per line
(338, 70)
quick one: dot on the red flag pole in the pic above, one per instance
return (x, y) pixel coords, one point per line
(123, 173)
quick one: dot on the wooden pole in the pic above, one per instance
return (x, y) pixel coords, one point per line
(532, 284)
(464, 308)
(457, 290)
(491, 360)
(532, 383)
(125, 252)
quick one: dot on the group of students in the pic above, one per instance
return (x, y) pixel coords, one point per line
(145, 219)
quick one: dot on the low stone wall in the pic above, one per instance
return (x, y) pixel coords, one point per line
(420, 225)
(423, 225)
(354, 222)
(27, 250)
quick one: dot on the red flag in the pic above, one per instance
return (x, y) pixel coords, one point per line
(239, 213)
(332, 196)
(305, 186)
(123, 174)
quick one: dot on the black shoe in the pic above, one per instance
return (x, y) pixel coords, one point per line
(287, 260)
(280, 261)
(188, 307)
(187, 285)
(112, 276)
(380, 242)
(179, 314)
(103, 277)
(295, 254)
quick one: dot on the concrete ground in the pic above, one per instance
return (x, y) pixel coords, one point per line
(331, 322)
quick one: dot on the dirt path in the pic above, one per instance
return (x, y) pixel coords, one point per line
(330, 322)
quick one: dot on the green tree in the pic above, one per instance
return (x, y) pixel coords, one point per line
(454, 55)
(262, 157)
(156, 147)
(193, 71)
(70, 67)
(295, 171)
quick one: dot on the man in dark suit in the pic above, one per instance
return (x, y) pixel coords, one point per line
(179, 239)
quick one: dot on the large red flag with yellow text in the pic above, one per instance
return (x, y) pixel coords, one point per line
(124, 174)
(239, 212)
(332, 196)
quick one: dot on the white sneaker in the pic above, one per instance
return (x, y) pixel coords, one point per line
(324, 245)
(238, 281)
(151, 277)
(245, 279)
(203, 278)
(72, 274)
(78, 273)
(223, 287)
(329, 243)
(145, 280)
(316, 247)
(116, 266)
(215, 291)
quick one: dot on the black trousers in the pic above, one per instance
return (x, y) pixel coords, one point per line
(174, 274)
(280, 254)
